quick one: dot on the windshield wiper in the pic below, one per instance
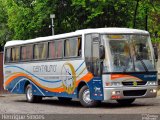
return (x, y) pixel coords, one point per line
(139, 58)
(144, 65)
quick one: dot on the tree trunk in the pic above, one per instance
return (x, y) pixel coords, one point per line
(146, 19)
(135, 14)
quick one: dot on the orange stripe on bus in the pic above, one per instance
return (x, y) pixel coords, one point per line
(117, 76)
(29, 77)
(85, 78)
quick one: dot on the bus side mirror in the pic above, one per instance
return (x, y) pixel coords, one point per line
(101, 52)
(155, 53)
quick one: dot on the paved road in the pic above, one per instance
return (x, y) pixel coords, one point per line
(17, 104)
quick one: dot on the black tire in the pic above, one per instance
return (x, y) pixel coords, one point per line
(83, 94)
(126, 101)
(64, 99)
(30, 97)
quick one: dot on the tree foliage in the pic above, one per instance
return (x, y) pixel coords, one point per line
(5, 32)
(26, 19)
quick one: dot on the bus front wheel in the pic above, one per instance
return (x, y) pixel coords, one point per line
(29, 95)
(126, 101)
(84, 97)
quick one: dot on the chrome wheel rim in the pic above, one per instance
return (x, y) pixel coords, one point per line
(86, 96)
(29, 93)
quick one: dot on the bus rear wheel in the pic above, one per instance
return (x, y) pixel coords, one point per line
(84, 97)
(126, 101)
(29, 95)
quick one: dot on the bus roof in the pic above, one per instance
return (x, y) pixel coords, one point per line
(79, 32)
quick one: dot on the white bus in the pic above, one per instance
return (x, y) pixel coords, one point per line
(92, 65)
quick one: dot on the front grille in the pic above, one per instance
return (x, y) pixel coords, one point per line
(132, 83)
(134, 92)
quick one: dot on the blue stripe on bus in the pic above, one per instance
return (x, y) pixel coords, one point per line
(34, 75)
(80, 66)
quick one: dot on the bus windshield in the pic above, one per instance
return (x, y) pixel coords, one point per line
(130, 53)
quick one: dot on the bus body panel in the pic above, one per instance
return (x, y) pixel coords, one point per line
(52, 78)
(133, 85)
(96, 88)
(49, 75)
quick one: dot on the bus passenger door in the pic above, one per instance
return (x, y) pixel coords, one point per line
(92, 53)
(92, 44)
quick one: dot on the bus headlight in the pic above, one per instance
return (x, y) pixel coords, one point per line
(113, 84)
(153, 90)
(116, 84)
(152, 82)
(116, 92)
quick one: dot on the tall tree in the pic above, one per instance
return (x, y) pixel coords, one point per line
(5, 33)
(30, 19)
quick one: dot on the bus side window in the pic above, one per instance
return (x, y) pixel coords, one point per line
(40, 51)
(67, 48)
(29, 52)
(15, 54)
(23, 53)
(44, 50)
(59, 49)
(26, 52)
(7, 55)
(52, 50)
(72, 47)
(36, 52)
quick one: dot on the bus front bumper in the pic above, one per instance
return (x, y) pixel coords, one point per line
(114, 93)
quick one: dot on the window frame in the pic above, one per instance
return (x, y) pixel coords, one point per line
(11, 60)
(25, 45)
(47, 56)
(37, 43)
(56, 58)
(67, 57)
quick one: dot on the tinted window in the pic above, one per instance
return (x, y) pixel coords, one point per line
(14, 54)
(7, 54)
(29, 52)
(40, 51)
(52, 50)
(73, 47)
(59, 49)
(26, 52)
(23, 53)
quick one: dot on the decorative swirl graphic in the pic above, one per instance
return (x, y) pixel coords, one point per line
(68, 78)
